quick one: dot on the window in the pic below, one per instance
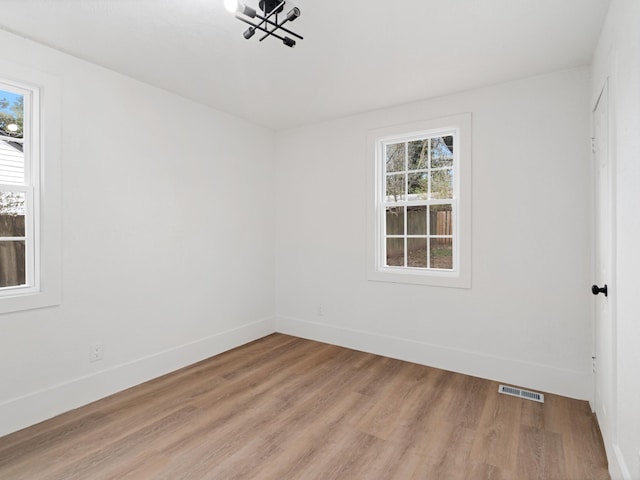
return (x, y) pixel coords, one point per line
(29, 212)
(420, 196)
(17, 167)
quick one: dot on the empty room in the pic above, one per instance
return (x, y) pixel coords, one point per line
(319, 240)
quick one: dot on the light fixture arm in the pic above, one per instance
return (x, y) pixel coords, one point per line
(266, 20)
(278, 26)
(258, 27)
(287, 19)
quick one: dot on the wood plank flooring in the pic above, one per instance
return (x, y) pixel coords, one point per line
(286, 408)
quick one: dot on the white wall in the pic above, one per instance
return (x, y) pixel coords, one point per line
(527, 319)
(617, 58)
(167, 241)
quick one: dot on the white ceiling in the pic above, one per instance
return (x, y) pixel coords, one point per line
(357, 55)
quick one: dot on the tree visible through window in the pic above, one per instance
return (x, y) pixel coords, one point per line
(419, 202)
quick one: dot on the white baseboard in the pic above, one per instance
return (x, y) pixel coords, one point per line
(529, 375)
(617, 466)
(21, 412)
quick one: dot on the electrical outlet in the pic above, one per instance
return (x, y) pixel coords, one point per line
(320, 310)
(95, 352)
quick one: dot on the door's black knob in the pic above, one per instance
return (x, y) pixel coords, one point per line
(596, 290)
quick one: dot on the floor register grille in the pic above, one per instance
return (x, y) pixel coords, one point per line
(518, 392)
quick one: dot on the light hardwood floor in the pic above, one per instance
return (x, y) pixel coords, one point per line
(286, 408)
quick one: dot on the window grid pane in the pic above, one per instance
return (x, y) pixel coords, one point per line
(12, 266)
(395, 221)
(395, 157)
(395, 252)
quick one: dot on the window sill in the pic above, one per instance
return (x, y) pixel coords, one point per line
(420, 277)
(29, 301)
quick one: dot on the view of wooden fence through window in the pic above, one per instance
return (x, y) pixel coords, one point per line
(420, 203)
(12, 191)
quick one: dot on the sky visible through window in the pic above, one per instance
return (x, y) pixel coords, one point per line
(11, 161)
(10, 97)
(11, 114)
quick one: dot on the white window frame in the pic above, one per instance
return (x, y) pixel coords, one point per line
(377, 270)
(42, 186)
(30, 188)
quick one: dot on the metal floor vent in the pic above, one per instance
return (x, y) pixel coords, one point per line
(517, 392)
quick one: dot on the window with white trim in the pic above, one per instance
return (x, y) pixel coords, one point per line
(18, 190)
(29, 189)
(421, 204)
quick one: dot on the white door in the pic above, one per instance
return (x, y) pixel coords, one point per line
(605, 383)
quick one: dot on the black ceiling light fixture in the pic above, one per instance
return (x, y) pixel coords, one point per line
(268, 22)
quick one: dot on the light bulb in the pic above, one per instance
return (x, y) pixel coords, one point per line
(231, 5)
